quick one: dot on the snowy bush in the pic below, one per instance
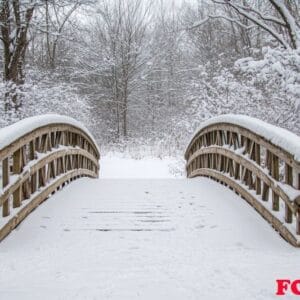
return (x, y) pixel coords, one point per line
(41, 94)
(278, 70)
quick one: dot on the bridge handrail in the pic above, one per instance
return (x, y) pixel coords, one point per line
(39, 155)
(253, 158)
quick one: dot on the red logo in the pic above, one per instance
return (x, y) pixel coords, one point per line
(286, 285)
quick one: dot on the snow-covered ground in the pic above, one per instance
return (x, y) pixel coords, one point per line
(115, 165)
(149, 238)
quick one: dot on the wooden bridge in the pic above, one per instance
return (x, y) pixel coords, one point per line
(153, 224)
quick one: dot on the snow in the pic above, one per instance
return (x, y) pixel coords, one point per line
(292, 193)
(115, 165)
(280, 137)
(144, 239)
(13, 132)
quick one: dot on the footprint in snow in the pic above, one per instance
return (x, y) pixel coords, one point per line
(240, 245)
(200, 227)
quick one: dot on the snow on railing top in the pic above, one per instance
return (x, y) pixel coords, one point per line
(278, 136)
(15, 131)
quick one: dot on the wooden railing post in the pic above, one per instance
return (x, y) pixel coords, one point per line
(275, 175)
(297, 207)
(17, 168)
(288, 180)
(5, 182)
(257, 160)
(32, 149)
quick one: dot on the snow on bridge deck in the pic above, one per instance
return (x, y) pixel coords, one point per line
(144, 239)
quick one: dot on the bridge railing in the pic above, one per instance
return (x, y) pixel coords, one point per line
(38, 156)
(258, 161)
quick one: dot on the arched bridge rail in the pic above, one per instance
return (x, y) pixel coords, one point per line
(259, 161)
(39, 155)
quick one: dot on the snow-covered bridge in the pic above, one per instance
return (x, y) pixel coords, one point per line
(153, 236)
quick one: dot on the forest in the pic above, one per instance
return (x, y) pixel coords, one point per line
(146, 73)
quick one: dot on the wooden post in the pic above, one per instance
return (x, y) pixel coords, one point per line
(26, 189)
(297, 206)
(33, 182)
(257, 179)
(42, 176)
(63, 165)
(58, 139)
(5, 182)
(275, 175)
(250, 180)
(288, 180)
(237, 171)
(32, 150)
(52, 139)
(17, 169)
(268, 161)
(265, 192)
(37, 144)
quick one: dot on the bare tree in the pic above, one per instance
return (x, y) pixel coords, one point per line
(57, 15)
(276, 17)
(121, 29)
(15, 19)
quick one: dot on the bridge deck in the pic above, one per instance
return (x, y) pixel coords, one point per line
(144, 239)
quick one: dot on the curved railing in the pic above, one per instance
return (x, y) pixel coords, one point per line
(39, 155)
(259, 161)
